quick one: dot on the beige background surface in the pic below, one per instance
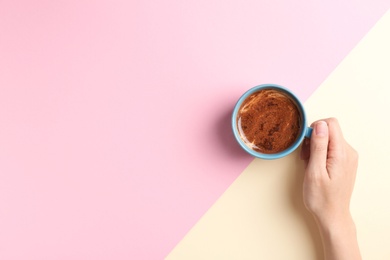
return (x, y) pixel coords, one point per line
(261, 215)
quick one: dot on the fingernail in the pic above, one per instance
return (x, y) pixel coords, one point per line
(321, 128)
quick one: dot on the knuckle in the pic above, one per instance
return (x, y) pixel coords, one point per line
(333, 120)
(355, 155)
(320, 147)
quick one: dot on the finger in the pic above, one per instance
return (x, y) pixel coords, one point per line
(336, 138)
(319, 146)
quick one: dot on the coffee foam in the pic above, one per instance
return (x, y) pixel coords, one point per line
(268, 121)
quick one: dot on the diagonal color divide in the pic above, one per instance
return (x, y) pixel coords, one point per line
(114, 115)
(261, 215)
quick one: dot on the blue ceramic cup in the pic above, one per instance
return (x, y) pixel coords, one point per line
(305, 131)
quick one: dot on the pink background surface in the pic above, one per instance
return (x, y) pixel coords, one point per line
(114, 115)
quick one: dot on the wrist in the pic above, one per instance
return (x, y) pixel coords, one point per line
(336, 224)
(331, 219)
(339, 237)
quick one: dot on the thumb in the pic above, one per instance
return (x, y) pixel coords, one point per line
(319, 146)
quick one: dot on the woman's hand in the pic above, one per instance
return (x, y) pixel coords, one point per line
(330, 171)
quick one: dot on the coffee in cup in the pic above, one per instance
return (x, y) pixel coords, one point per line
(269, 121)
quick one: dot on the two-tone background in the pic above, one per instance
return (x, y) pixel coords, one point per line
(115, 138)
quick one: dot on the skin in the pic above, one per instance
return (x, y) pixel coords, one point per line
(330, 172)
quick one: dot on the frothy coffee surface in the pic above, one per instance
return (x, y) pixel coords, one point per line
(268, 121)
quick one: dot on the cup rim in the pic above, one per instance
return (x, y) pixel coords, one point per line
(285, 152)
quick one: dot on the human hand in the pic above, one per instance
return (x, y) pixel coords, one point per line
(330, 171)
